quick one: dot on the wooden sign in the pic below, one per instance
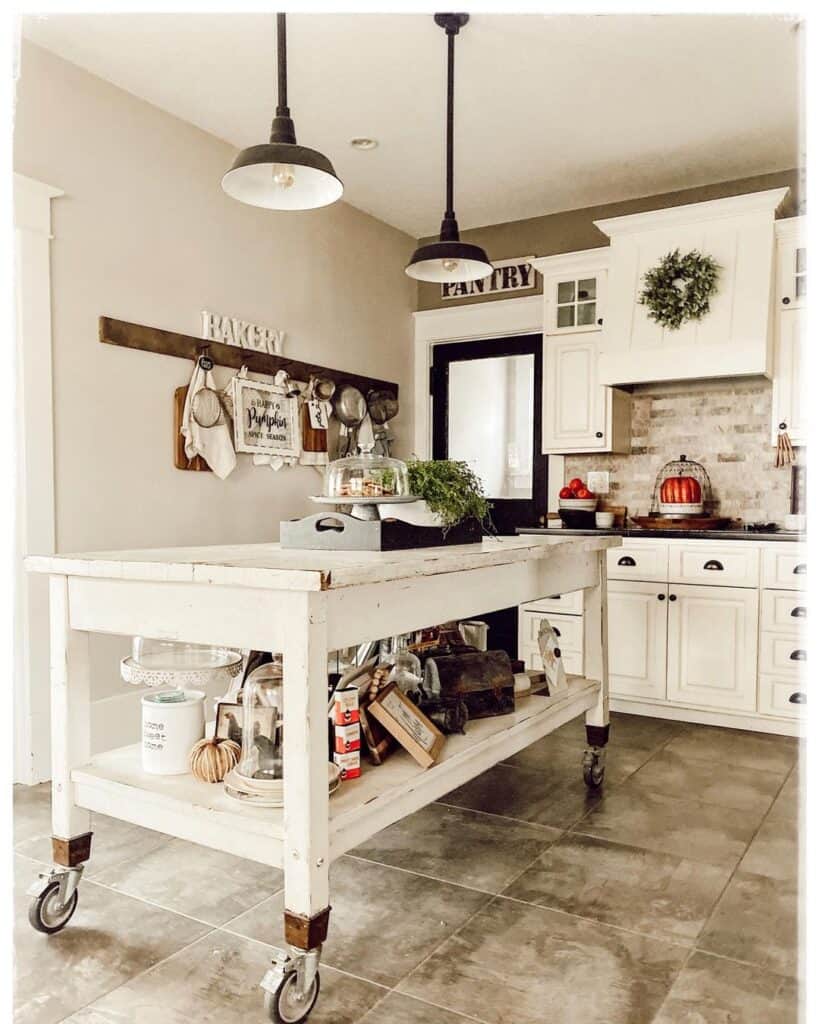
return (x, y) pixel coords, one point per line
(231, 331)
(408, 724)
(264, 419)
(508, 276)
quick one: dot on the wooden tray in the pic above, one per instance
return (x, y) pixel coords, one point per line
(692, 523)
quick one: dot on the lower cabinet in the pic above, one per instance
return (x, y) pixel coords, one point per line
(712, 646)
(638, 622)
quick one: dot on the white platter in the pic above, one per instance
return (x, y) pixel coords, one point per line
(185, 678)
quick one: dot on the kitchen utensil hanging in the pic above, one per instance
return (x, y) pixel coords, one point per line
(784, 449)
(383, 407)
(350, 408)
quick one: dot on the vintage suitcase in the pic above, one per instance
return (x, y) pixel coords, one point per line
(482, 680)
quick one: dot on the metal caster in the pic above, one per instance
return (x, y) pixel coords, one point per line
(291, 986)
(594, 768)
(55, 899)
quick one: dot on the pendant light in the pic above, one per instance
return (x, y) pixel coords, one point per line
(449, 259)
(282, 175)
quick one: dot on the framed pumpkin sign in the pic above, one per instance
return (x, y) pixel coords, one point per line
(265, 420)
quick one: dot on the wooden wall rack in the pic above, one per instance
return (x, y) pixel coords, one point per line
(186, 346)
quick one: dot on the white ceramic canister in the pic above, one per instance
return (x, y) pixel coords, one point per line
(169, 730)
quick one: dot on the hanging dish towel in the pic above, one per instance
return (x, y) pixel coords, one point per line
(214, 444)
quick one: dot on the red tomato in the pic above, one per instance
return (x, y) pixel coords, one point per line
(576, 484)
(565, 492)
(584, 492)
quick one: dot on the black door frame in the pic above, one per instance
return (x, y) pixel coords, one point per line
(507, 513)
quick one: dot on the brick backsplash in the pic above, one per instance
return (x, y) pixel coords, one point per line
(723, 424)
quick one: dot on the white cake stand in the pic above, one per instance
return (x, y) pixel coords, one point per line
(363, 508)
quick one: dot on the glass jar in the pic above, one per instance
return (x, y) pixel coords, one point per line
(406, 671)
(366, 476)
(262, 718)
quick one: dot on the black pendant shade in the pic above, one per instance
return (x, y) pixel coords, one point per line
(449, 259)
(281, 175)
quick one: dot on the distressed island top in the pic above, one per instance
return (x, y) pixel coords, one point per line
(269, 566)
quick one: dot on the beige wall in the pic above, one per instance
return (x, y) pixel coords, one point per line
(574, 229)
(145, 233)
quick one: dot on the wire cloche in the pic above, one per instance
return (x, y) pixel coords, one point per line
(682, 489)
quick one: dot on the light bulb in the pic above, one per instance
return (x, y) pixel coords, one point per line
(284, 175)
(450, 266)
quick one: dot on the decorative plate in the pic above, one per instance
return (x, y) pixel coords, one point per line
(189, 678)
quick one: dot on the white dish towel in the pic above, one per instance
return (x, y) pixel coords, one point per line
(214, 444)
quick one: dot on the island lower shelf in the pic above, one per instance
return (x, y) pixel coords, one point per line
(114, 783)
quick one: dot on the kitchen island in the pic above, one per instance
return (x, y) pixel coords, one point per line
(302, 604)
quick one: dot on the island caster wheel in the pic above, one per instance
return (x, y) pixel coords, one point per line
(594, 769)
(47, 913)
(287, 1005)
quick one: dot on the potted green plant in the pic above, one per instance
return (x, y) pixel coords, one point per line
(450, 492)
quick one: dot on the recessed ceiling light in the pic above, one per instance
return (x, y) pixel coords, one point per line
(363, 143)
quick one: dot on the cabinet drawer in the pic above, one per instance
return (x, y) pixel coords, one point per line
(731, 565)
(786, 569)
(784, 611)
(635, 562)
(572, 660)
(569, 629)
(568, 604)
(782, 697)
(784, 655)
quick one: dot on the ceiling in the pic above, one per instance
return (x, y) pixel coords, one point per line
(553, 112)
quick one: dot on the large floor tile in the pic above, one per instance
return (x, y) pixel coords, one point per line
(399, 1009)
(761, 751)
(459, 845)
(217, 980)
(655, 893)
(207, 884)
(561, 759)
(526, 794)
(110, 939)
(32, 811)
(524, 964)
(636, 731)
(703, 832)
(774, 850)
(383, 922)
(745, 789)
(791, 799)
(711, 990)
(756, 920)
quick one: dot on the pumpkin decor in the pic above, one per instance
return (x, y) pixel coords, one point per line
(211, 760)
(684, 490)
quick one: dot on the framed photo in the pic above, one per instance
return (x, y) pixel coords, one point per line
(230, 721)
(265, 420)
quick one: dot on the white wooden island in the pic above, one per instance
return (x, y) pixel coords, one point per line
(303, 604)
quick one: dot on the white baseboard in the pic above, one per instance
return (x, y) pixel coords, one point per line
(726, 719)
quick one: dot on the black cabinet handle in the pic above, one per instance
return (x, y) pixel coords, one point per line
(626, 560)
(714, 565)
(555, 597)
(798, 656)
(786, 301)
(799, 612)
(661, 597)
(557, 631)
(801, 569)
(598, 433)
(600, 321)
(783, 425)
(672, 597)
(798, 698)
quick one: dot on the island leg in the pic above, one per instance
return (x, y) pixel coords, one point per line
(596, 660)
(292, 983)
(55, 893)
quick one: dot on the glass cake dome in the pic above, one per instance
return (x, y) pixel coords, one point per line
(366, 476)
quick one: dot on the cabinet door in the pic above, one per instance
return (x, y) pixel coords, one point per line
(792, 280)
(790, 370)
(574, 302)
(575, 407)
(637, 619)
(712, 646)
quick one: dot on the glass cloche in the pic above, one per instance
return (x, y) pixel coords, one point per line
(682, 489)
(262, 715)
(366, 476)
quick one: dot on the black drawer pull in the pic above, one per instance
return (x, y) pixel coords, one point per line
(672, 597)
(557, 631)
(626, 560)
(798, 656)
(798, 698)
(661, 597)
(714, 565)
(799, 612)
(801, 569)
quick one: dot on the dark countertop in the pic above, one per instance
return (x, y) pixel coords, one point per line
(637, 531)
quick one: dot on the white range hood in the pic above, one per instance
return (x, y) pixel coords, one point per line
(735, 337)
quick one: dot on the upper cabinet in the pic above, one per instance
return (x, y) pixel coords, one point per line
(734, 338)
(788, 407)
(579, 414)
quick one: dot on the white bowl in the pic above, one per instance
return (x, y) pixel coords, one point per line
(582, 504)
(605, 520)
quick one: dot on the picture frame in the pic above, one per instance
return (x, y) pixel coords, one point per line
(408, 724)
(265, 419)
(230, 722)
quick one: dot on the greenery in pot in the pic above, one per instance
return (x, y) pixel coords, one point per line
(449, 488)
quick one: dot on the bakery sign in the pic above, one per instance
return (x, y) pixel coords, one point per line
(508, 276)
(230, 330)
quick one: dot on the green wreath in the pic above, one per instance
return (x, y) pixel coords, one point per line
(679, 288)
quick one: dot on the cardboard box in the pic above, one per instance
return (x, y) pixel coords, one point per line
(345, 706)
(348, 764)
(347, 738)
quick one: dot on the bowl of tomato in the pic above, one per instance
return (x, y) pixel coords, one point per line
(576, 505)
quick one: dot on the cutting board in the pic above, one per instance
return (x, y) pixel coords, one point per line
(692, 523)
(197, 464)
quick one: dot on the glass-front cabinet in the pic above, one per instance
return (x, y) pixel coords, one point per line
(573, 293)
(788, 407)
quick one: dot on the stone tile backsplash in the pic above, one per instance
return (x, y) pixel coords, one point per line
(724, 424)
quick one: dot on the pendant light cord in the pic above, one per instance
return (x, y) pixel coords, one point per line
(450, 121)
(282, 110)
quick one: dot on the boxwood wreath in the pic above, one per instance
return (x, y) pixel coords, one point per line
(680, 288)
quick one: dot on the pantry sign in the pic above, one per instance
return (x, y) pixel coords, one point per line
(508, 276)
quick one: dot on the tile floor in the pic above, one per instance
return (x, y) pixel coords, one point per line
(517, 899)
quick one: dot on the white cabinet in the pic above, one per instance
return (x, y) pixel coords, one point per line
(579, 415)
(712, 646)
(637, 620)
(788, 407)
(733, 338)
